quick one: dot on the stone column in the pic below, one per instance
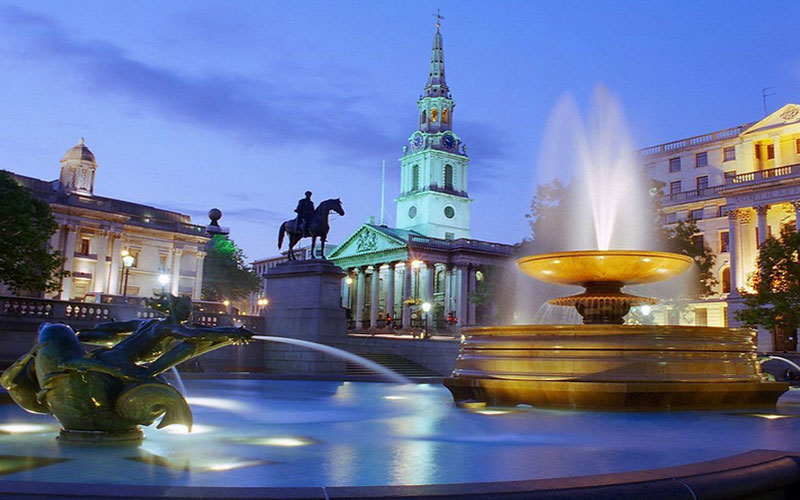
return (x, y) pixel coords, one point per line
(426, 273)
(406, 295)
(197, 294)
(69, 254)
(761, 211)
(175, 282)
(359, 316)
(463, 293)
(374, 296)
(733, 249)
(390, 290)
(472, 287)
(447, 292)
(100, 278)
(116, 262)
(777, 142)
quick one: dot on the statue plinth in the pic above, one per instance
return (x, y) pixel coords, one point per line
(304, 303)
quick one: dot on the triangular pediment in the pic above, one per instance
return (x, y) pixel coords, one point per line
(367, 240)
(787, 115)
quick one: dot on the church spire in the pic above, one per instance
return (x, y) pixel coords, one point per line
(437, 86)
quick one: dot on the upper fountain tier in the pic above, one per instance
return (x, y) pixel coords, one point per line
(627, 267)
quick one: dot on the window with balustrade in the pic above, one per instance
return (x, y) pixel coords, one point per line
(729, 176)
(674, 165)
(674, 187)
(729, 153)
(701, 183)
(701, 159)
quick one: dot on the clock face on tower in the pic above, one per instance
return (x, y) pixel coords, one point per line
(449, 141)
(416, 141)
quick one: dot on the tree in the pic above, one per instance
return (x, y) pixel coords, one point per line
(225, 273)
(684, 239)
(775, 305)
(27, 263)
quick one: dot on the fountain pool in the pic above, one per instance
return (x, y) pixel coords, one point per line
(268, 433)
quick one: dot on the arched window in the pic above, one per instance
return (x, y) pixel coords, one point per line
(415, 177)
(726, 280)
(445, 115)
(439, 284)
(423, 117)
(448, 176)
(434, 114)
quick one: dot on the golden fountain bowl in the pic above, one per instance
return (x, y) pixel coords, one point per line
(629, 267)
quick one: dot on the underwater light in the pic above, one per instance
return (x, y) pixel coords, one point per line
(394, 397)
(218, 403)
(492, 412)
(25, 428)
(232, 465)
(182, 429)
(283, 441)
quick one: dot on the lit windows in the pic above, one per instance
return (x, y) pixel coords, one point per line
(770, 151)
(729, 153)
(445, 115)
(674, 165)
(434, 114)
(726, 283)
(701, 159)
(797, 146)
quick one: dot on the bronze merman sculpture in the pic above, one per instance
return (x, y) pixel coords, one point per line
(106, 394)
(316, 227)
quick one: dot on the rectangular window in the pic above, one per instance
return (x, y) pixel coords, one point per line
(674, 165)
(729, 176)
(724, 210)
(729, 153)
(674, 187)
(696, 214)
(797, 146)
(449, 236)
(757, 243)
(724, 241)
(84, 246)
(162, 262)
(134, 252)
(700, 316)
(671, 218)
(698, 242)
(770, 151)
(702, 182)
(701, 159)
(758, 151)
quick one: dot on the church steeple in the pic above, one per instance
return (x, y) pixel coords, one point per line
(437, 86)
(433, 187)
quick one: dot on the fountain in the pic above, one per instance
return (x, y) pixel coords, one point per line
(604, 364)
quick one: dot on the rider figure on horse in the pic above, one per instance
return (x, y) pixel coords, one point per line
(304, 210)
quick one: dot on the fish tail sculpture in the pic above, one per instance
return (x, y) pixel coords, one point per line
(144, 403)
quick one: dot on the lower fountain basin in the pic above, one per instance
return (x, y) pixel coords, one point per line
(623, 367)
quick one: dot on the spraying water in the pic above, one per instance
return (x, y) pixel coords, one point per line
(339, 353)
(178, 380)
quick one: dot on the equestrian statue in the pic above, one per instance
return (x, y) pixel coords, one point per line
(310, 222)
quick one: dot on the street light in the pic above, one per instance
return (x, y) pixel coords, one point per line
(426, 307)
(163, 279)
(127, 262)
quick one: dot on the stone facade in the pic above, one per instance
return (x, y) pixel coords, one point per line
(94, 231)
(741, 185)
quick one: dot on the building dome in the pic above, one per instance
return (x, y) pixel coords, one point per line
(79, 152)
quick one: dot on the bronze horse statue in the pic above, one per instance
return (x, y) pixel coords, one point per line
(318, 227)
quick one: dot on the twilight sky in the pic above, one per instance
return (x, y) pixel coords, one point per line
(243, 105)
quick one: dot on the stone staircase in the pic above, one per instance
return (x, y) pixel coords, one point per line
(398, 364)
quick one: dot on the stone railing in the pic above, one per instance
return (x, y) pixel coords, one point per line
(37, 310)
(764, 175)
(692, 141)
(693, 195)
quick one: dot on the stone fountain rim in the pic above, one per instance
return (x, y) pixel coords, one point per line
(745, 475)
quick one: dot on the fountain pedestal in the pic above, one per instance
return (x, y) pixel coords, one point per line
(304, 303)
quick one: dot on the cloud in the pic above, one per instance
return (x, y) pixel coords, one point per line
(252, 109)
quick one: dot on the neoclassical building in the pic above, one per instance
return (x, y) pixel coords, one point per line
(741, 185)
(95, 232)
(430, 256)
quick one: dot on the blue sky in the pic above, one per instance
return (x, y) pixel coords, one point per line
(244, 105)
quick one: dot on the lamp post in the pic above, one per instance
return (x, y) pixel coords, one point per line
(262, 303)
(426, 307)
(349, 282)
(163, 279)
(127, 262)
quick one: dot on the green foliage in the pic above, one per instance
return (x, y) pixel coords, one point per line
(680, 239)
(225, 272)
(776, 301)
(545, 215)
(26, 225)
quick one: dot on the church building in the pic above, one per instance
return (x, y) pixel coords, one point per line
(429, 261)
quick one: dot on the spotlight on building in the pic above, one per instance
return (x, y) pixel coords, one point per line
(426, 306)
(348, 280)
(262, 302)
(416, 264)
